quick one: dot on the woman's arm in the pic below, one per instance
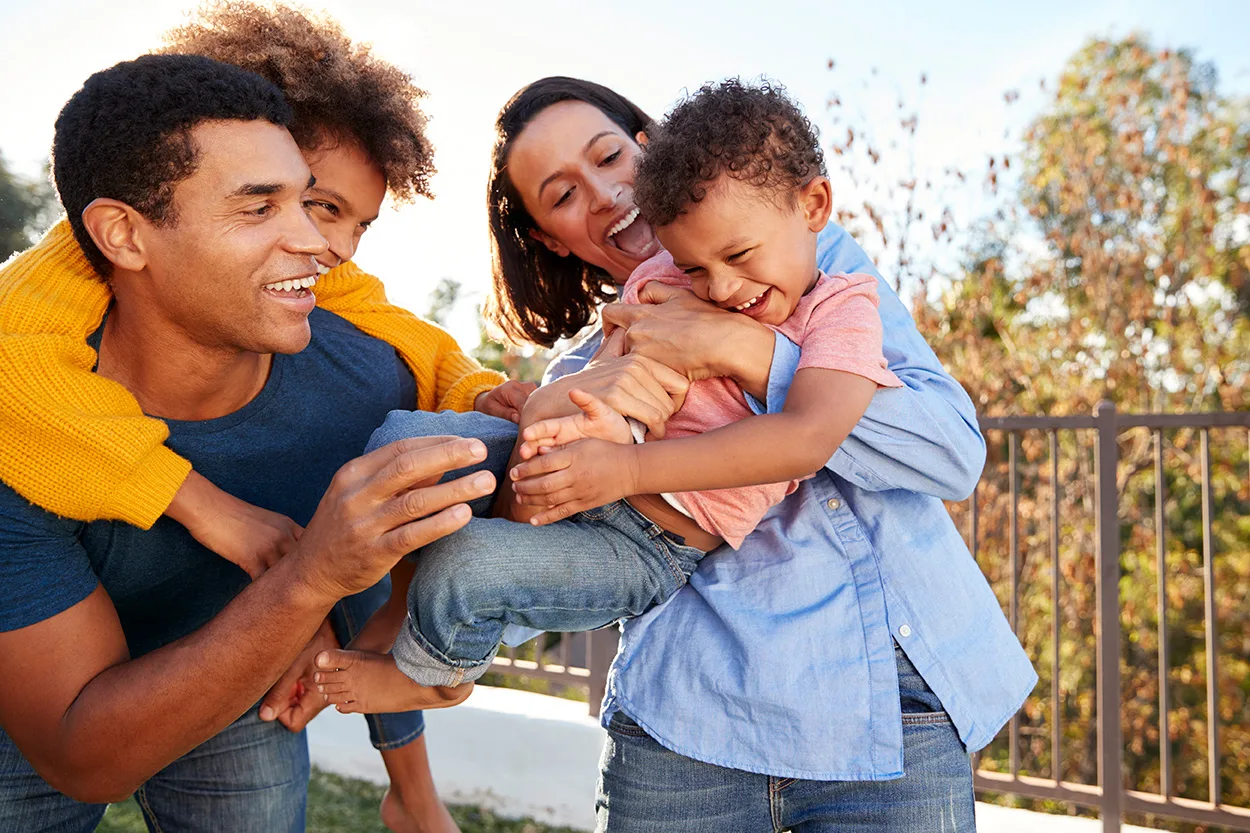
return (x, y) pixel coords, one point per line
(922, 437)
(772, 448)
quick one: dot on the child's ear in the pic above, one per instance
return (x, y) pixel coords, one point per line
(816, 202)
(641, 138)
(115, 228)
(550, 242)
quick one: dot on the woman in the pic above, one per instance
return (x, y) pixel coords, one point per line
(834, 673)
(359, 124)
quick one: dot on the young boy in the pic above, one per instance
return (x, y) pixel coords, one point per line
(733, 183)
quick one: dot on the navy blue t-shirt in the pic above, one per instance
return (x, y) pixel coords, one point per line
(315, 412)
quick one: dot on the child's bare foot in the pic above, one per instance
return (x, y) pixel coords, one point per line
(369, 683)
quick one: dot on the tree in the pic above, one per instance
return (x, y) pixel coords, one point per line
(1113, 265)
(26, 209)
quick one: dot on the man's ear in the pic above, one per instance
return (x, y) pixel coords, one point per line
(115, 228)
(550, 242)
(816, 201)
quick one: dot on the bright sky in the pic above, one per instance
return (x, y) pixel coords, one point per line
(472, 56)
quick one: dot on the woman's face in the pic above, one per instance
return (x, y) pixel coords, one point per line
(345, 199)
(574, 169)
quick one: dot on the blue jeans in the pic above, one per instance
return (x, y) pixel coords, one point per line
(579, 574)
(645, 788)
(250, 776)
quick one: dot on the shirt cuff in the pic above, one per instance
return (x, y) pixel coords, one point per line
(780, 376)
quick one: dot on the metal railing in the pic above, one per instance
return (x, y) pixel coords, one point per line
(1110, 796)
(576, 660)
(582, 660)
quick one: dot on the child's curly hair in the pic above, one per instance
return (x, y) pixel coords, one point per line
(753, 133)
(338, 90)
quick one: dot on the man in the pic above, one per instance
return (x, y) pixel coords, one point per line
(135, 658)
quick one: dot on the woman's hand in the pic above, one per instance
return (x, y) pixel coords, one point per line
(634, 386)
(694, 337)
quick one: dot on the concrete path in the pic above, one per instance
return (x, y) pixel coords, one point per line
(522, 754)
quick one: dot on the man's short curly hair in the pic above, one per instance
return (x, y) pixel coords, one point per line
(126, 135)
(753, 133)
(339, 90)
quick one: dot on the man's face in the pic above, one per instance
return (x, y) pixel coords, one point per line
(222, 271)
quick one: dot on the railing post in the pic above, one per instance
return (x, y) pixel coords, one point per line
(1107, 590)
(603, 645)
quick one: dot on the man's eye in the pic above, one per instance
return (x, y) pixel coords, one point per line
(565, 197)
(262, 211)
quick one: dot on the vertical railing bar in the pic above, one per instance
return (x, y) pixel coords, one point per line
(1013, 736)
(565, 647)
(1165, 734)
(1213, 671)
(1107, 620)
(1056, 748)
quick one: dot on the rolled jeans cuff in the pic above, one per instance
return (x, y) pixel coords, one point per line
(424, 665)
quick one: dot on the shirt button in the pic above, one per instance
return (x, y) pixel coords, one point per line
(834, 503)
(904, 631)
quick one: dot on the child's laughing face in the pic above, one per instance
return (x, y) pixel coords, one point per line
(748, 250)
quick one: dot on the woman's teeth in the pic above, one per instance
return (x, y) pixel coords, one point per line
(746, 306)
(626, 222)
(288, 286)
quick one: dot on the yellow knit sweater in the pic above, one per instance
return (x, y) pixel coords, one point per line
(78, 444)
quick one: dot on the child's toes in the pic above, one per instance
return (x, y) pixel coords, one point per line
(337, 658)
(336, 698)
(334, 687)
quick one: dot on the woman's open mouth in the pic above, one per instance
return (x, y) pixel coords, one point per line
(634, 236)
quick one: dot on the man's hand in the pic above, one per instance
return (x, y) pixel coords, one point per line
(384, 505)
(243, 534)
(633, 386)
(505, 401)
(584, 475)
(293, 700)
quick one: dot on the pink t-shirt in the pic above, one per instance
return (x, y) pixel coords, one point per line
(836, 326)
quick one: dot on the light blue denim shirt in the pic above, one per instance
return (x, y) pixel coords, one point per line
(778, 658)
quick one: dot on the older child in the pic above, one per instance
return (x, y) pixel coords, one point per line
(741, 231)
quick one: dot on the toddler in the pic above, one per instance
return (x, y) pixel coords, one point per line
(733, 183)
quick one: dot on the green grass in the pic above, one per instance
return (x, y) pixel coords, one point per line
(346, 805)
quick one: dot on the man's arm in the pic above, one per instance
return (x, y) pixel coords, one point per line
(96, 724)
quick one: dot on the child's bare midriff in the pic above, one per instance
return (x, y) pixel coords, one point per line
(655, 509)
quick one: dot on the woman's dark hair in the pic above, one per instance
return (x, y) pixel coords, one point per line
(538, 296)
(339, 91)
(126, 134)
